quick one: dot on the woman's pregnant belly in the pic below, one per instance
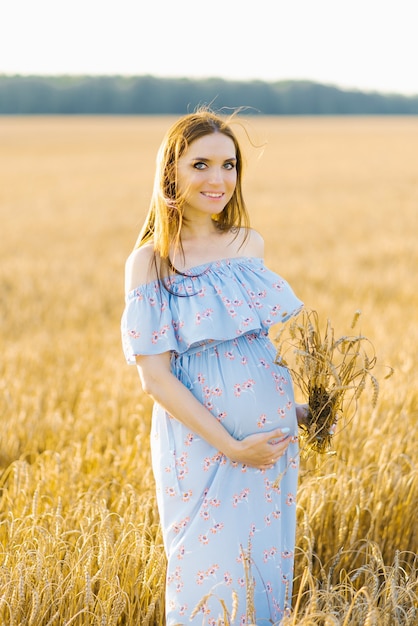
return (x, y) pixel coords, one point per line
(239, 383)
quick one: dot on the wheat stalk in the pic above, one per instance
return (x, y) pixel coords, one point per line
(331, 373)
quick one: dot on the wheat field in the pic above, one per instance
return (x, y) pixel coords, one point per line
(337, 202)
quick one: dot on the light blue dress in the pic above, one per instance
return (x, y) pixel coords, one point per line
(226, 527)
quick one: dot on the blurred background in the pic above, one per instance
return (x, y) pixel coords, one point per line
(162, 57)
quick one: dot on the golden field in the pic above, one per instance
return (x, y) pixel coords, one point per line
(337, 202)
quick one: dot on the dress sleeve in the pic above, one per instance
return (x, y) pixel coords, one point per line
(146, 324)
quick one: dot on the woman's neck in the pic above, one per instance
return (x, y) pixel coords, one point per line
(203, 246)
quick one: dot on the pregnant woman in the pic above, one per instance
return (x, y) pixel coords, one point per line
(199, 305)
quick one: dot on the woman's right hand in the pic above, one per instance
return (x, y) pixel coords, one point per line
(261, 450)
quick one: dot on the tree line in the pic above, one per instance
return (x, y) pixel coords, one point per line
(149, 95)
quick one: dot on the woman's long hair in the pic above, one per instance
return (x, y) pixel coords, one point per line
(163, 223)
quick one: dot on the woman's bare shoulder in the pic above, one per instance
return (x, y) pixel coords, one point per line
(140, 267)
(253, 243)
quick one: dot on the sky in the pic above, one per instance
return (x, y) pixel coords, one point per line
(363, 44)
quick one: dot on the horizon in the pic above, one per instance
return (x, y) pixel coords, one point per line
(208, 78)
(350, 44)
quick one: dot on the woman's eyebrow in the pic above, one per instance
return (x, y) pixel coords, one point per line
(208, 159)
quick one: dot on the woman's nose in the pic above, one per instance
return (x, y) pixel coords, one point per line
(215, 175)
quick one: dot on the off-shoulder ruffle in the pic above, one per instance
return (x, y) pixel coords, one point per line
(211, 303)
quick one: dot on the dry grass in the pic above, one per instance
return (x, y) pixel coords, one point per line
(330, 372)
(337, 202)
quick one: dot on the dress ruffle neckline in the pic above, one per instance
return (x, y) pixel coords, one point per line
(211, 302)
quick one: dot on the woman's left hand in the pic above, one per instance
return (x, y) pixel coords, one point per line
(302, 412)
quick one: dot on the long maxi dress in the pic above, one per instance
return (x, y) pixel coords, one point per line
(228, 529)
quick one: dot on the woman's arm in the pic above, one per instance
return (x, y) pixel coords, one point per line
(165, 389)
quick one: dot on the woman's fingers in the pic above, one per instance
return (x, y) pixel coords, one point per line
(263, 450)
(278, 446)
(278, 435)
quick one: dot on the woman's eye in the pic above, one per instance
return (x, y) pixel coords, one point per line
(229, 166)
(199, 165)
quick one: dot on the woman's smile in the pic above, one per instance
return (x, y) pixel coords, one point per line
(212, 194)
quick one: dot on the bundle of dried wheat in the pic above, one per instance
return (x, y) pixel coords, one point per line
(331, 373)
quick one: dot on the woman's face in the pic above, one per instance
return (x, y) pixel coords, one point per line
(207, 175)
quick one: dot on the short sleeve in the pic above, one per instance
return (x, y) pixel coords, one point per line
(146, 325)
